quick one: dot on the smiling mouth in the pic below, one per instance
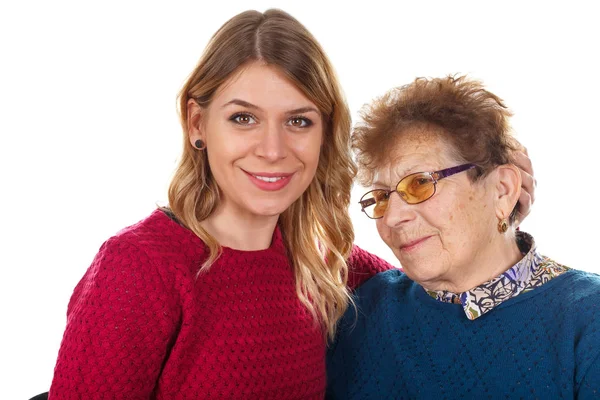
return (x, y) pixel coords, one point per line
(270, 181)
(412, 245)
(268, 178)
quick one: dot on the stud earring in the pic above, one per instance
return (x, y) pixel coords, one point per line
(199, 144)
(502, 225)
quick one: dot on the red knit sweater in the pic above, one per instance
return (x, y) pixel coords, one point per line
(141, 326)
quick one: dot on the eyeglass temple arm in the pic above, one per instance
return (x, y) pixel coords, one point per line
(451, 171)
(366, 203)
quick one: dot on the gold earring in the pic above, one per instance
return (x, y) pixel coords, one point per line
(502, 225)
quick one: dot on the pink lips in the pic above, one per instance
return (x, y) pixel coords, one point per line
(413, 245)
(278, 184)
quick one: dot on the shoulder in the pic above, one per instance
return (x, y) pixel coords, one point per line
(370, 306)
(158, 229)
(372, 300)
(571, 297)
(363, 265)
(581, 290)
(580, 286)
(155, 255)
(160, 238)
(156, 245)
(375, 294)
(572, 302)
(383, 286)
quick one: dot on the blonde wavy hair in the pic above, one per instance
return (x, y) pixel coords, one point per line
(316, 227)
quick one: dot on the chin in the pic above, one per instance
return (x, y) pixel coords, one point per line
(269, 210)
(422, 277)
(421, 271)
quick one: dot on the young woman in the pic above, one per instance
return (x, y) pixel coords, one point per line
(232, 290)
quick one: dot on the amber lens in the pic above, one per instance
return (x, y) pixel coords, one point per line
(374, 203)
(416, 188)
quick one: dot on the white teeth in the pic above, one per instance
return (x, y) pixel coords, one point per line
(268, 179)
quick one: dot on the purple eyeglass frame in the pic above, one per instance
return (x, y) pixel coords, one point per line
(436, 175)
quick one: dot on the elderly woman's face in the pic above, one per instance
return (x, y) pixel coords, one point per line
(436, 241)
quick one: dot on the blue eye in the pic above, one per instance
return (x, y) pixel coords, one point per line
(300, 122)
(243, 118)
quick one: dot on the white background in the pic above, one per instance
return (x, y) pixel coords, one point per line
(89, 135)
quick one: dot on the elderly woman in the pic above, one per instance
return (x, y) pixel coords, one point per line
(476, 312)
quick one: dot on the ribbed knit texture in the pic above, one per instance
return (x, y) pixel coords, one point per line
(141, 326)
(543, 344)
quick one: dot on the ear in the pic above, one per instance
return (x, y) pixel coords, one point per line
(194, 121)
(507, 189)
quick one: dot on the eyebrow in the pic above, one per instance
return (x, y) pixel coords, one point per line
(242, 103)
(303, 110)
(246, 104)
(405, 173)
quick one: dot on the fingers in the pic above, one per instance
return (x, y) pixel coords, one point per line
(525, 202)
(523, 161)
(528, 184)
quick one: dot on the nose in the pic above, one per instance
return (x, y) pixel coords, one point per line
(272, 145)
(397, 212)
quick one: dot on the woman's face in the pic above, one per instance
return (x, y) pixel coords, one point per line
(263, 140)
(440, 241)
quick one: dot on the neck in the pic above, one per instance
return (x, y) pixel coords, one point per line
(241, 232)
(496, 257)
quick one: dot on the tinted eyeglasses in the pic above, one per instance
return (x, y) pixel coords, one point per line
(413, 189)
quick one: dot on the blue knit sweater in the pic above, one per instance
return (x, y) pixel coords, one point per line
(404, 344)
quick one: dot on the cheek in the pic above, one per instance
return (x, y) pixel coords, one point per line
(220, 157)
(307, 147)
(466, 221)
(449, 216)
(384, 232)
(225, 150)
(225, 141)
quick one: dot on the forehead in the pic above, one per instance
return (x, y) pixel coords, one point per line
(263, 85)
(416, 150)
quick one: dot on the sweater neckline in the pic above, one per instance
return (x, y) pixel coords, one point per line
(429, 301)
(277, 244)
